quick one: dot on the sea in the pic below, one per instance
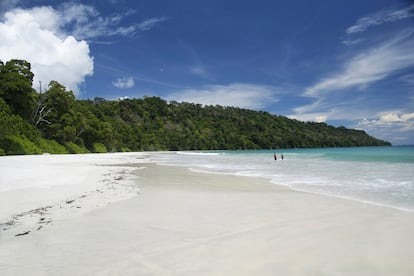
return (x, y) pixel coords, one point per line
(374, 175)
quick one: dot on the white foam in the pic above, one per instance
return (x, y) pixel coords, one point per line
(198, 153)
(387, 184)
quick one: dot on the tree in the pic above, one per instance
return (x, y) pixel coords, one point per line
(16, 86)
(58, 122)
(150, 123)
(40, 111)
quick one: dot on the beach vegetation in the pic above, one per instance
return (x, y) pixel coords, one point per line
(51, 146)
(99, 148)
(73, 148)
(54, 121)
(16, 86)
(16, 145)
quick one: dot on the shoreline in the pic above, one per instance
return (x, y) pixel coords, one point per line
(191, 223)
(357, 200)
(322, 172)
(348, 198)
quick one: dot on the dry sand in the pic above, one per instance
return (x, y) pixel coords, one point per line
(187, 223)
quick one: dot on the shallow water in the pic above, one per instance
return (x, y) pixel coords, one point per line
(375, 175)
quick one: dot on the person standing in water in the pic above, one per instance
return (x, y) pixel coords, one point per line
(282, 156)
(275, 156)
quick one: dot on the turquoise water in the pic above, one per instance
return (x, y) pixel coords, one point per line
(374, 175)
(395, 154)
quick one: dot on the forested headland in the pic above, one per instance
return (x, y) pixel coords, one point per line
(54, 121)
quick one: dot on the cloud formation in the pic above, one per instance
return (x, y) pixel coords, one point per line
(198, 71)
(124, 82)
(379, 18)
(392, 125)
(85, 22)
(318, 117)
(55, 40)
(345, 93)
(370, 65)
(150, 23)
(35, 35)
(241, 95)
(395, 117)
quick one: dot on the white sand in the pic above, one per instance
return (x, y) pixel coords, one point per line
(187, 223)
(51, 187)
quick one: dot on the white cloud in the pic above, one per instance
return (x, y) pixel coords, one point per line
(241, 95)
(396, 119)
(395, 126)
(85, 22)
(124, 82)
(408, 79)
(53, 40)
(407, 116)
(391, 117)
(351, 42)
(35, 35)
(344, 95)
(310, 117)
(371, 65)
(198, 70)
(150, 23)
(335, 97)
(379, 18)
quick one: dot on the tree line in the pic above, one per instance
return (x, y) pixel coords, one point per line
(56, 122)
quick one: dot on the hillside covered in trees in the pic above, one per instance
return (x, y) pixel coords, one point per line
(56, 122)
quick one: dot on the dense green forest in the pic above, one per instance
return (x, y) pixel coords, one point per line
(56, 122)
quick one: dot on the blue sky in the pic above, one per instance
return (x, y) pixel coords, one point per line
(345, 63)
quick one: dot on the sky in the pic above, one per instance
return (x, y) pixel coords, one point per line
(346, 63)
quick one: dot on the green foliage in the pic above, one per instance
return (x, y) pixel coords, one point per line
(19, 145)
(56, 122)
(61, 121)
(73, 148)
(16, 86)
(51, 146)
(17, 136)
(153, 124)
(99, 148)
(4, 107)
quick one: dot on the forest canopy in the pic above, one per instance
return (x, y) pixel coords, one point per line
(54, 121)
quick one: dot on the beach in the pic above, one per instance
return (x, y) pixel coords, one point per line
(169, 220)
